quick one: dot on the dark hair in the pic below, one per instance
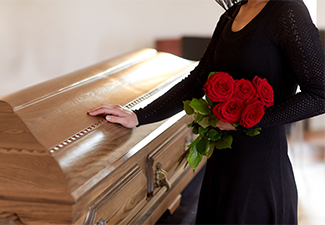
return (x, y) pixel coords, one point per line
(226, 4)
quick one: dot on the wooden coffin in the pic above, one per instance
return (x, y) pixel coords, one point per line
(59, 165)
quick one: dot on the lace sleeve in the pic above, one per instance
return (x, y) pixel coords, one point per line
(300, 42)
(191, 87)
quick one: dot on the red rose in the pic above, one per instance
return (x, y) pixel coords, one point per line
(252, 114)
(220, 87)
(264, 91)
(229, 111)
(246, 90)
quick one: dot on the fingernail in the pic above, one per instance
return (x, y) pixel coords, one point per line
(108, 117)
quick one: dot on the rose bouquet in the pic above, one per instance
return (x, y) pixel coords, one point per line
(238, 102)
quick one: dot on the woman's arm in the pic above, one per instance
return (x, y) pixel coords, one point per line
(172, 101)
(191, 87)
(300, 42)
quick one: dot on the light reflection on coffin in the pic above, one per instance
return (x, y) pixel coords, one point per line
(60, 166)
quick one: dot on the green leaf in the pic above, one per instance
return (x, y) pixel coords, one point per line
(203, 146)
(184, 155)
(194, 158)
(203, 101)
(204, 122)
(200, 106)
(209, 101)
(211, 74)
(235, 124)
(191, 124)
(188, 109)
(253, 132)
(198, 117)
(213, 121)
(202, 130)
(195, 142)
(211, 149)
(224, 142)
(195, 129)
(214, 135)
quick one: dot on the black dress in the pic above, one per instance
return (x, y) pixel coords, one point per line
(253, 183)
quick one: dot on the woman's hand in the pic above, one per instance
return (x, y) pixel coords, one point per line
(116, 114)
(225, 126)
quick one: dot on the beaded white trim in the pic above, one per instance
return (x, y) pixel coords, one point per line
(77, 136)
(150, 96)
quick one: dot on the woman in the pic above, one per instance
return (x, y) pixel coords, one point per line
(253, 182)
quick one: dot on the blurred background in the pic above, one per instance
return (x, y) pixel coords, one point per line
(43, 39)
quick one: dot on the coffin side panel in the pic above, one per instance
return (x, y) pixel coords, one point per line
(32, 178)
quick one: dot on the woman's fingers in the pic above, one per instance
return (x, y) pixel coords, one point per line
(116, 114)
(107, 109)
(103, 109)
(121, 120)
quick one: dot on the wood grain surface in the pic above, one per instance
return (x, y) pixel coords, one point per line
(59, 165)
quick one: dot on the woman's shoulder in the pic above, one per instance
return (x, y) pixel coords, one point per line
(290, 16)
(279, 7)
(288, 6)
(280, 13)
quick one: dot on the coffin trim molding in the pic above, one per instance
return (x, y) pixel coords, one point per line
(22, 151)
(110, 193)
(152, 95)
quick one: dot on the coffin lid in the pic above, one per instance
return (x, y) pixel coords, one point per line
(42, 123)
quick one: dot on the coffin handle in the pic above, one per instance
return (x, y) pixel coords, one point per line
(161, 177)
(101, 222)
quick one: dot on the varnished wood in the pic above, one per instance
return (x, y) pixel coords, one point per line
(58, 165)
(9, 218)
(172, 208)
(162, 200)
(173, 146)
(124, 195)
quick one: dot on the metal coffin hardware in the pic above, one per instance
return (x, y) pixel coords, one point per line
(161, 177)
